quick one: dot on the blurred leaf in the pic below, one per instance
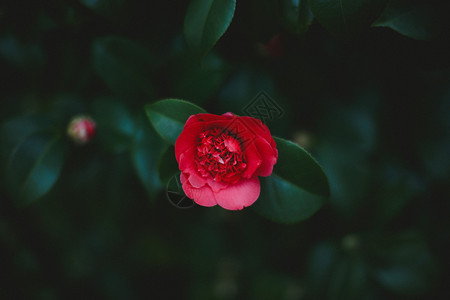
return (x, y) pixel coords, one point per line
(403, 263)
(168, 165)
(168, 117)
(206, 21)
(415, 20)
(198, 82)
(397, 188)
(349, 138)
(346, 17)
(349, 279)
(147, 149)
(126, 67)
(297, 188)
(251, 87)
(107, 8)
(33, 156)
(27, 56)
(268, 286)
(297, 15)
(242, 87)
(335, 274)
(115, 124)
(319, 264)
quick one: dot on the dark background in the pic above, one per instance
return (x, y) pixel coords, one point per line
(373, 108)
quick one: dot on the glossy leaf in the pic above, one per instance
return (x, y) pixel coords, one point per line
(169, 116)
(124, 66)
(300, 168)
(297, 188)
(206, 21)
(346, 17)
(415, 20)
(146, 150)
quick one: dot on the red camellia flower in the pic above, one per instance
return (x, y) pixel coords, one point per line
(221, 157)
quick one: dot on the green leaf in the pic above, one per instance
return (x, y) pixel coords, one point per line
(168, 165)
(297, 188)
(414, 20)
(126, 67)
(297, 15)
(198, 82)
(346, 17)
(115, 124)
(206, 21)
(34, 165)
(299, 167)
(168, 117)
(147, 148)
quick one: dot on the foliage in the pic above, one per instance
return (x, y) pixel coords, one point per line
(360, 85)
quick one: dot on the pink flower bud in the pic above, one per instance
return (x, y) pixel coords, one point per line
(81, 129)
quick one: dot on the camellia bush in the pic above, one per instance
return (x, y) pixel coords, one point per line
(225, 149)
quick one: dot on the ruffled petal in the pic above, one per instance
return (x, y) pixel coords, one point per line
(258, 128)
(196, 180)
(216, 185)
(203, 196)
(186, 160)
(239, 195)
(253, 160)
(269, 157)
(188, 139)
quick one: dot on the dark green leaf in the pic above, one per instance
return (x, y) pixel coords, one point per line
(297, 15)
(300, 168)
(206, 21)
(284, 202)
(346, 17)
(415, 20)
(350, 136)
(147, 148)
(199, 82)
(403, 263)
(124, 66)
(397, 188)
(115, 124)
(16, 131)
(168, 117)
(168, 165)
(297, 188)
(34, 165)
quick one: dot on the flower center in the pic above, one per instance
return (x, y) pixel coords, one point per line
(219, 155)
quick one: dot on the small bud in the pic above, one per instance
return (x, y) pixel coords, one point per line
(304, 139)
(81, 129)
(273, 49)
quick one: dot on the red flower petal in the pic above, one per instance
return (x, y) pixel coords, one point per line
(269, 157)
(240, 195)
(203, 196)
